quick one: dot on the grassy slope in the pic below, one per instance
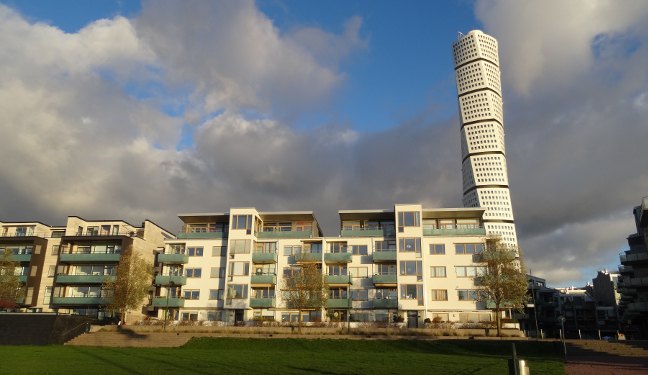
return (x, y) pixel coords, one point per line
(285, 356)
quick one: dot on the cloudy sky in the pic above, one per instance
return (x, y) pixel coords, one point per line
(122, 109)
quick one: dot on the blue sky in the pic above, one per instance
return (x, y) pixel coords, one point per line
(143, 110)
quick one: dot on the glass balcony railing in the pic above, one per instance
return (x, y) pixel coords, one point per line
(338, 279)
(89, 257)
(80, 300)
(262, 303)
(199, 235)
(385, 279)
(264, 279)
(170, 279)
(384, 256)
(338, 303)
(272, 233)
(22, 278)
(83, 279)
(385, 232)
(337, 257)
(168, 302)
(385, 303)
(264, 258)
(628, 258)
(454, 232)
(20, 258)
(173, 258)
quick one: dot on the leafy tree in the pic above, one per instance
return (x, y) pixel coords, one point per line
(10, 286)
(130, 286)
(505, 283)
(305, 289)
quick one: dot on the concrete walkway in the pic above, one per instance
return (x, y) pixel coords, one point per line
(594, 357)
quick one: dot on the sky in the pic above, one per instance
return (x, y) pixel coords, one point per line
(143, 110)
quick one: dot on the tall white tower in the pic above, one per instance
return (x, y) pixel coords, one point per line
(485, 179)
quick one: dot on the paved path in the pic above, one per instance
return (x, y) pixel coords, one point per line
(600, 357)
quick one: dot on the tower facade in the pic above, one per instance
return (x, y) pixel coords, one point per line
(485, 178)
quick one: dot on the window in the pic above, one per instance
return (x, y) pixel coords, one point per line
(214, 316)
(239, 268)
(219, 251)
(292, 249)
(290, 271)
(58, 233)
(386, 245)
(51, 271)
(215, 294)
(242, 222)
(92, 231)
(412, 291)
(470, 271)
(468, 295)
(437, 249)
(338, 247)
(240, 246)
(358, 272)
(265, 247)
(217, 272)
(47, 295)
(267, 292)
(409, 245)
(337, 270)
(265, 269)
(408, 219)
(439, 295)
(359, 294)
(176, 248)
(386, 293)
(191, 294)
(437, 271)
(193, 272)
(338, 293)
(237, 291)
(359, 249)
(189, 316)
(313, 247)
(411, 268)
(56, 249)
(195, 251)
(469, 248)
(385, 269)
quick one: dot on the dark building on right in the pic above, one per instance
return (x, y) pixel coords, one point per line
(633, 279)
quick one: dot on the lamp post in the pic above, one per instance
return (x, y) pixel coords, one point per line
(562, 334)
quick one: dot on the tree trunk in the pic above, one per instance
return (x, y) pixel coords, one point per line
(299, 322)
(498, 320)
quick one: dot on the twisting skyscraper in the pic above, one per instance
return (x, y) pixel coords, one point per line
(485, 179)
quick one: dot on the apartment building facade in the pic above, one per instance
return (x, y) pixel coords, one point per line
(406, 263)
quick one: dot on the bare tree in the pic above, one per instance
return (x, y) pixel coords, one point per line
(10, 286)
(305, 289)
(130, 286)
(504, 284)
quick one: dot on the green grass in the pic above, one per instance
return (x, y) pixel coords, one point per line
(285, 356)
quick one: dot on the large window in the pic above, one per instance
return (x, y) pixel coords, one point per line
(337, 270)
(409, 245)
(237, 291)
(439, 295)
(408, 219)
(385, 269)
(411, 268)
(412, 291)
(386, 293)
(265, 269)
(312, 247)
(191, 294)
(359, 249)
(265, 247)
(292, 249)
(239, 268)
(470, 271)
(338, 293)
(437, 271)
(469, 295)
(240, 246)
(267, 292)
(242, 222)
(437, 249)
(469, 248)
(195, 251)
(389, 245)
(193, 272)
(338, 247)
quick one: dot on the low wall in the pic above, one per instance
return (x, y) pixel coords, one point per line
(40, 328)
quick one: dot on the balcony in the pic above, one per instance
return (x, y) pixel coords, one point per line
(384, 256)
(308, 257)
(168, 302)
(20, 258)
(454, 232)
(284, 234)
(173, 258)
(337, 257)
(368, 232)
(22, 278)
(201, 235)
(628, 258)
(385, 279)
(83, 279)
(80, 301)
(89, 258)
(338, 303)
(170, 279)
(338, 279)
(635, 281)
(638, 306)
(262, 303)
(264, 258)
(264, 279)
(385, 304)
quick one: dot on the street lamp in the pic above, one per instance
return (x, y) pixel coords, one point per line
(562, 333)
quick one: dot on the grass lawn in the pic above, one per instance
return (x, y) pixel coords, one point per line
(285, 356)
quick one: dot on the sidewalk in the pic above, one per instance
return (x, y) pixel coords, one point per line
(589, 357)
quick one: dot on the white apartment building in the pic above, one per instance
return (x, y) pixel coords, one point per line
(485, 177)
(407, 262)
